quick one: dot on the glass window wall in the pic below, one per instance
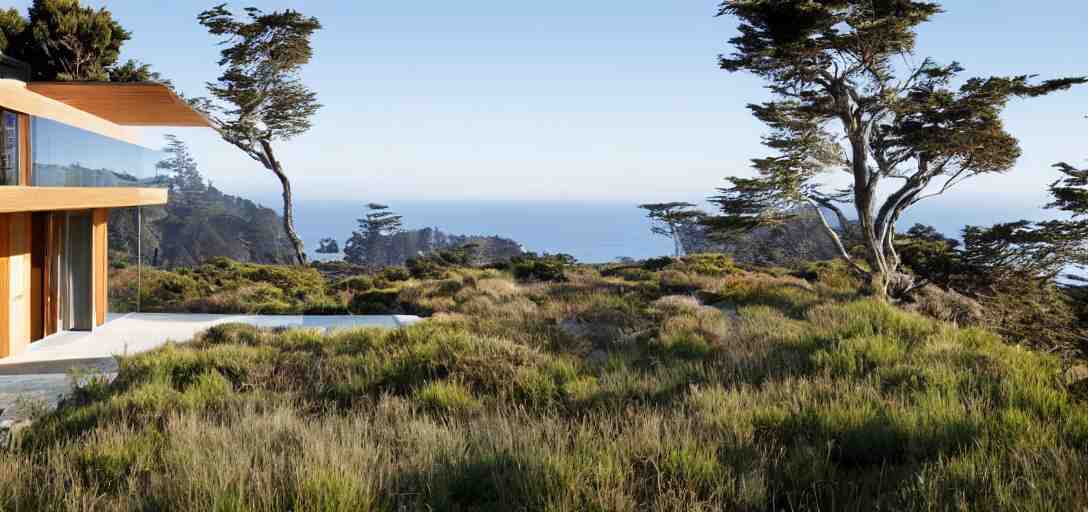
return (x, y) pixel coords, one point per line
(66, 156)
(9, 148)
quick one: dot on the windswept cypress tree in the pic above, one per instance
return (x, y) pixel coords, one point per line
(846, 99)
(259, 99)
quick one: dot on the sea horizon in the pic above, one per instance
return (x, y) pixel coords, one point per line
(596, 231)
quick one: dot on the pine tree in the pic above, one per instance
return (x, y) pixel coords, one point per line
(184, 179)
(367, 244)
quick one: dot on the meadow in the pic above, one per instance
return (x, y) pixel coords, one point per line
(691, 384)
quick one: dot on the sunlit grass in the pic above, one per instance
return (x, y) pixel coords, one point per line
(750, 391)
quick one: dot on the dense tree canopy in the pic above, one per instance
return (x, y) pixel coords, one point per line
(62, 40)
(12, 26)
(848, 99)
(260, 98)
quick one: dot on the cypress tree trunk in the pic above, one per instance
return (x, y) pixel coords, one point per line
(288, 204)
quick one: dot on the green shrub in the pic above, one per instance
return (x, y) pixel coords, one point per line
(447, 397)
(547, 268)
(657, 264)
(715, 265)
(395, 274)
(354, 284)
(375, 302)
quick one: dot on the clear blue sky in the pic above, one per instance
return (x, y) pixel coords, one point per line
(573, 99)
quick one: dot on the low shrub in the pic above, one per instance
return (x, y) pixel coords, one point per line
(376, 302)
(699, 386)
(547, 267)
(354, 284)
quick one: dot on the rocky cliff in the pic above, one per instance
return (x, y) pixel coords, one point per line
(200, 224)
(799, 239)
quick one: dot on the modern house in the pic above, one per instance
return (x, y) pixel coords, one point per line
(69, 153)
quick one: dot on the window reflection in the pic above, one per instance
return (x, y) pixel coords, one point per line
(66, 156)
(9, 148)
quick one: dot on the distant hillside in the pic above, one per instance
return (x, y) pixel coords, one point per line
(797, 240)
(395, 249)
(201, 223)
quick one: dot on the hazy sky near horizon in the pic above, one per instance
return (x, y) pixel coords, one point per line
(573, 99)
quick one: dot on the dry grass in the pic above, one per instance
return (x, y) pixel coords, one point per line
(597, 393)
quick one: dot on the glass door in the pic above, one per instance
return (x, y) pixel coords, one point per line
(77, 281)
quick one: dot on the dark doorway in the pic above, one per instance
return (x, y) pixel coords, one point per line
(77, 285)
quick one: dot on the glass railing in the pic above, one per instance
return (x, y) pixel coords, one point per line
(66, 156)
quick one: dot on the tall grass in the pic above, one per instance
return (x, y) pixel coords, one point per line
(750, 391)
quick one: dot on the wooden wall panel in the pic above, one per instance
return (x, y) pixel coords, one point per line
(14, 283)
(5, 289)
(100, 258)
(19, 232)
(38, 199)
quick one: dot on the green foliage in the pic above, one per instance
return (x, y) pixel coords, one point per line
(136, 71)
(394, 274)
(222, 286)
(447, 397)
(262, 57)
(376, 302)
(354, 284)
(714, 265)
(62, 40)
(1010, 270)
(545, 267)
(930, 254)
(12, 25)
(436, 265)
(656, 264)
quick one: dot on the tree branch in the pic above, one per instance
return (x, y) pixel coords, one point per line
(830, 232)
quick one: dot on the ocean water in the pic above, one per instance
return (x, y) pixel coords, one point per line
(594, 232)
(589, 231)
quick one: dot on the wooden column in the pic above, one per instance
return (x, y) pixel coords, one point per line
(50, 273)
(5, 286)
(100, 259)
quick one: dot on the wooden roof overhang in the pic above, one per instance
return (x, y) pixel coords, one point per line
(126, 104)
(15, 96)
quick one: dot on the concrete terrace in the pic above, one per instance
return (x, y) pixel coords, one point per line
(133, 333)
(40, 372)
